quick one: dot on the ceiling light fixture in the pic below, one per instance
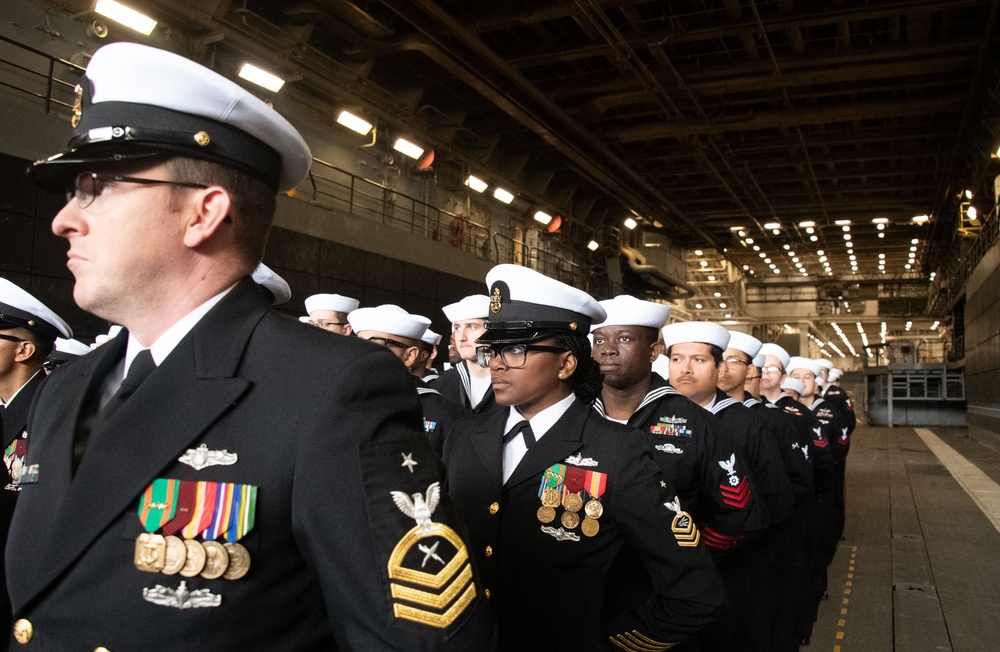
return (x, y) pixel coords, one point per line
(354, 123)
(412, 150)
(263, 78)
(476, 183)
(126, 16)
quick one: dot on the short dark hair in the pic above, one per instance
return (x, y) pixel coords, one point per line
(253, 202)
(713, 349)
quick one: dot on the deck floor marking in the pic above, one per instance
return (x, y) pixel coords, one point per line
(979, 486)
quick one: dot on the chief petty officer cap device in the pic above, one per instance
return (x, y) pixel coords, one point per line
(526, 305)
(136, 103)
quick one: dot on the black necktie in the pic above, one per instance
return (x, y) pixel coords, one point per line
(142, 366)
(520, 428)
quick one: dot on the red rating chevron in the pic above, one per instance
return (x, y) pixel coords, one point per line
(718, 540)
(737, 496)
(820, 443)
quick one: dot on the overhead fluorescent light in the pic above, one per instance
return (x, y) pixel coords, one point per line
(409, 149)
(772, 225)
(126, 16)
(592, 245)
(880, 220)
(630, 223)
(842, 222)
(354, 123)
(543, 217)
(920, 219)
(476, 183)
(261, 77)
(807, 224)
(503, 195)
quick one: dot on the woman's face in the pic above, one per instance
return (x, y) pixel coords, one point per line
(541, 382)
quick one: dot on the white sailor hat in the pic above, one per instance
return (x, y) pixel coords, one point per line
(823, 362)
(18, 309)
(67, 349)
(793, 384)
(104, 338)
(835, 373)
(776, 351)
(389, 319)
(430, 337)
(526, 305)
(334, 302)
(743, 342)
(758, 360)
(136, 102)
(798, 362)
(273, 283)
(475, 306)
(626, 310)
(702, 332)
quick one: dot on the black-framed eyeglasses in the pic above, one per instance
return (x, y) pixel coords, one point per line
(772, 369)
(732, 362)
(90, 185)
(322, 323)
(11, 338)
(513, 356)
(386, 341)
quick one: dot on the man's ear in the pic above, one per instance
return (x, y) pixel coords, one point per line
(25, 351)
(207, 210)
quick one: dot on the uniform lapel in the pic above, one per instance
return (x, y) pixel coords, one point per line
(562, 440)
(488, 444)
(186, 394)
(16, 413)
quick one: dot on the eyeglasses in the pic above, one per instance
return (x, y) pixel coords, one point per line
(731, 362)
(10, 338)
(514, 356)
(385, 341)
(770, 370)
(320, 323)
(91, 185)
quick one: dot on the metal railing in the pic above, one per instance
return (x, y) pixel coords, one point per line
(46, 86)
(987, 238)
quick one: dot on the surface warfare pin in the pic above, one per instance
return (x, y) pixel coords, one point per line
(201, 457)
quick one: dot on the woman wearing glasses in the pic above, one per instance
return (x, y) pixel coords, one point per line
(550, 491)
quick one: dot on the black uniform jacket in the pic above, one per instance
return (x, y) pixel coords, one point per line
(547, 581)
(761, 453)
(835, 427)
(693, 457)
(839, 397)
(14, 418)
(320, 424)
(792, 441)
(454, 385)
(440, 414)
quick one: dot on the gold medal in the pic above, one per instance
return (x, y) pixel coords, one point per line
(594, 509)
(216, 560)
(550, 497)
(570, 520)
(573, 502)
(176, 556)
(195, 561)
(590, 526)
(239, 561)
(546, 514)
(150, 552)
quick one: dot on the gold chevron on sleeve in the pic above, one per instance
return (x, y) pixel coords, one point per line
(685, 531)
(635, 642)
(453, 584)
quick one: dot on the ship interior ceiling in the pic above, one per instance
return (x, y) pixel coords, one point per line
(821, 169)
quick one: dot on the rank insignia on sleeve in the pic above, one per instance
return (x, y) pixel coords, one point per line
(442, 596)
(737, 494)
(683, 527)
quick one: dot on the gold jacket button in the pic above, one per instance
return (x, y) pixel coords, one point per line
(494, 508)
(489, 552)
(486, 592)
(23, 631)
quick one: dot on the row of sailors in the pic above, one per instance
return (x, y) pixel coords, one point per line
(754, 449)
(751, 451)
